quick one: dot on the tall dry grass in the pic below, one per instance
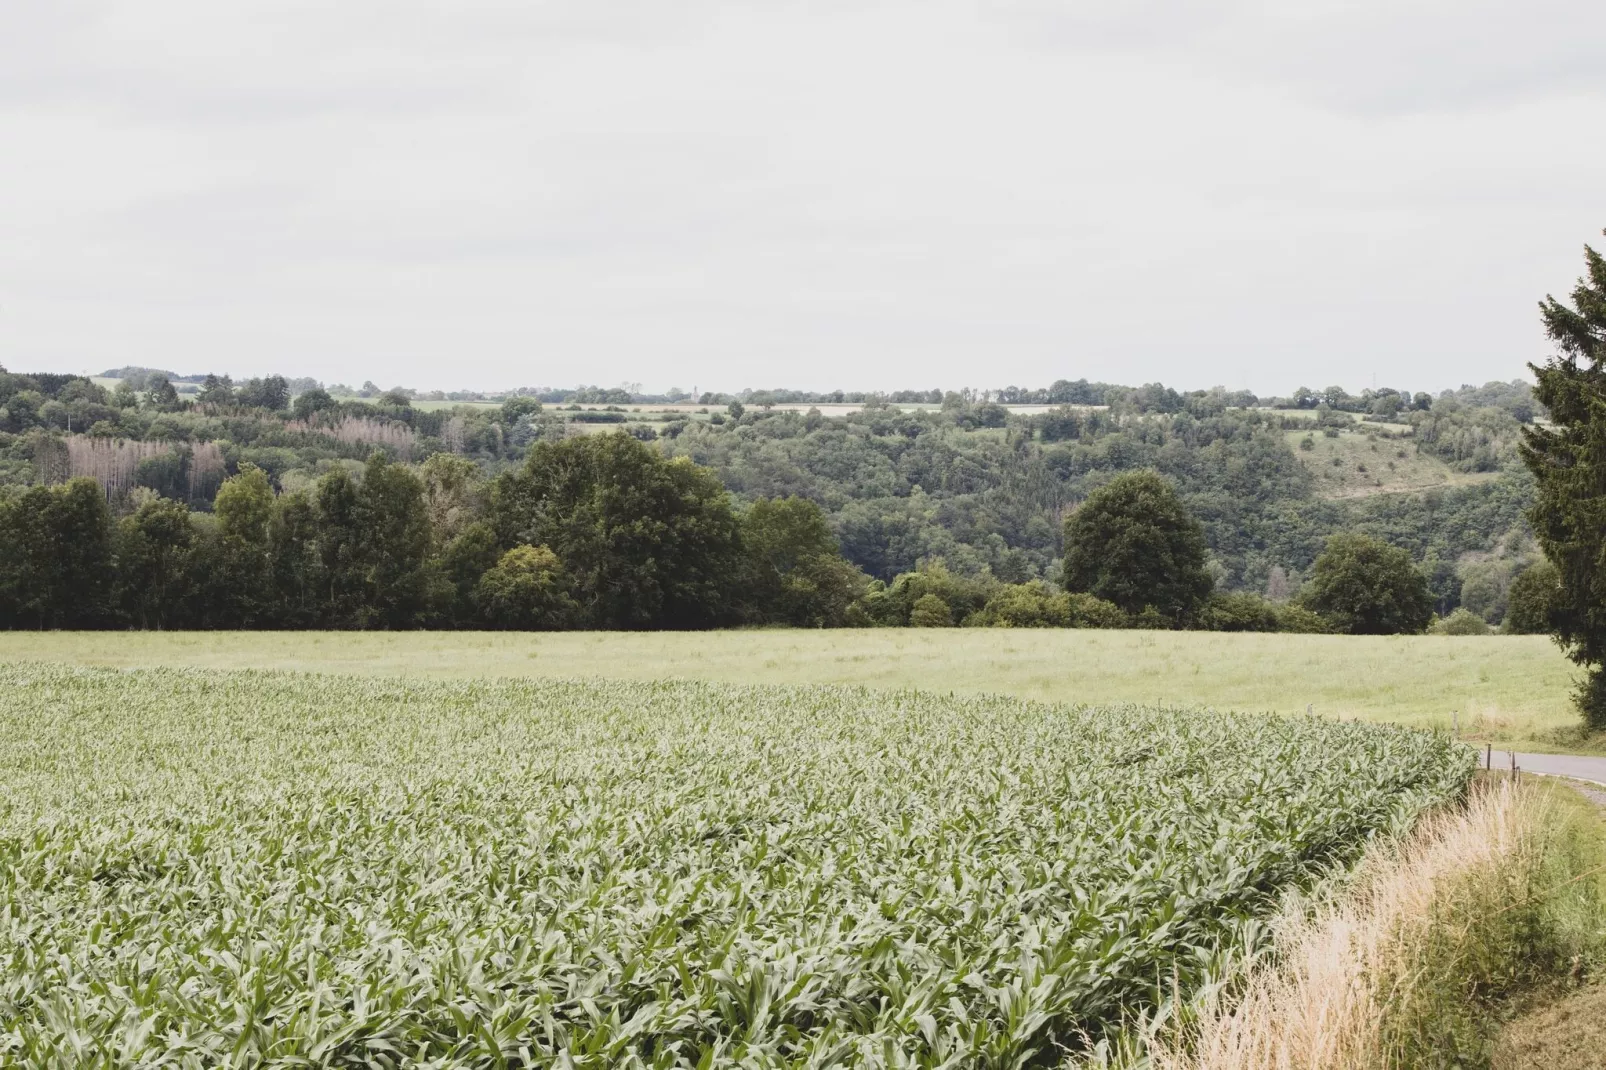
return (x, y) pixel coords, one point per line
(1404, 966)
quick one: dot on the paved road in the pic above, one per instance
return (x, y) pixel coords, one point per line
(1568, 765)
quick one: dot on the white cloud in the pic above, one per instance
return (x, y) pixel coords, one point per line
(867, 195)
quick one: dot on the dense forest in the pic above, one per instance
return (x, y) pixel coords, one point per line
(971, 487)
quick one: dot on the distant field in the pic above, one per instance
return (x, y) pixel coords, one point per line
(1511, 689)
(202, 868)
(436, 406)
(689, 409)
(1355, 466)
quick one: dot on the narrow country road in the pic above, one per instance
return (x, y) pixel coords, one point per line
(1568, 765)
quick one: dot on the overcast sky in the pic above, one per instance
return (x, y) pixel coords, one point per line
(857, 195)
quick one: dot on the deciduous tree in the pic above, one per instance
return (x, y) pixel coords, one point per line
(795, 571)
(930, 612)
(649, 542)
(526, 591)
(1134, 543)
(1367, 587)
(154, 567)
(1533, 599)
(56, 557)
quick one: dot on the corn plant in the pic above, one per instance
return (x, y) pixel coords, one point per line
(248, 869)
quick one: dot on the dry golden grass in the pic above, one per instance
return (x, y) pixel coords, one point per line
(1364, 976)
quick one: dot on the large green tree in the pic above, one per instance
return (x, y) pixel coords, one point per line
(1568, 460)
(56, 557)
(460, 565)
(648, 542)
(795, 571)
(395, 544)
(297, 568)
(338, 549)
(1134, 543)
(154, 563)
(1367, 587)
(236, 588)
(374, 541)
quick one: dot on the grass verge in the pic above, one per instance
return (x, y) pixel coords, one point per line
(1482, 910)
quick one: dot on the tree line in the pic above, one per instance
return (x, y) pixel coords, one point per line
(605, 532)
(968, 481)
(598, 532)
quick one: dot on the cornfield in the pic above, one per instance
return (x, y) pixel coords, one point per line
(232, 869)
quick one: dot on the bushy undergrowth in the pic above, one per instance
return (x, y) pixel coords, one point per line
(1417, 961)
(1499, 934)
(261, 869)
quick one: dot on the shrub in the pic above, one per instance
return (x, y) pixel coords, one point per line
(1086, 611)
(1239, 613)
(1532, 600)
(930, 612)
(1152, 619)
(1245, 612)
(963, 595)
(1025, 605)
(1038, 605)
(527, 590)
(1462, 622)
(1296, 618)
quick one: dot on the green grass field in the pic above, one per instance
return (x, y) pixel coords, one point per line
(1509, 689)
(241, 869)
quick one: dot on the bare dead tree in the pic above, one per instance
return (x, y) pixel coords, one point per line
(395, 438)
(455, 435)
(111, 462)
(206, 469)
(49, 455)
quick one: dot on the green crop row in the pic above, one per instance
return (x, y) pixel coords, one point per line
(271, 869)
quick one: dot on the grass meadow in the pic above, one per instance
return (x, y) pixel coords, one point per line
(1354, 465)
(1507, 689)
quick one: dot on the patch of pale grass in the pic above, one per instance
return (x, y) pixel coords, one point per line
(1569, 1035)
(1521, 685)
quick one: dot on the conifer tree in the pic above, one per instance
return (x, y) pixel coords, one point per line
(1568, 460)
